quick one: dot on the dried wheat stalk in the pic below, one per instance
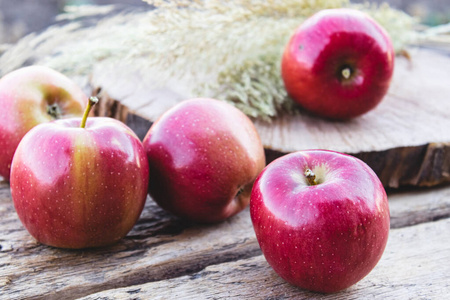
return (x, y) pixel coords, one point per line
(224, 49)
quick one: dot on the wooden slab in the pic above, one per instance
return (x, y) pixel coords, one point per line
(419, 206)
(405, 139)
(415, 112)
(160, 247)
(412, 267)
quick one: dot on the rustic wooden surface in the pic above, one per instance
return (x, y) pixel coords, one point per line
(168, 258)
(426, 277)
(405, 139)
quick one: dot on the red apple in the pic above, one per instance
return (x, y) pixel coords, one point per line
(204, 155)
(321, 219)
(338, 64)
(28, 97)
(79, 185)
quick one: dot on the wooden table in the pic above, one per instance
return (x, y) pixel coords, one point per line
(166, 258)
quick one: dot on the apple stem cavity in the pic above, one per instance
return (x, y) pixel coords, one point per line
(310, 177)
(54, 111)
(240, 191)
(346, 73)
(91, 103)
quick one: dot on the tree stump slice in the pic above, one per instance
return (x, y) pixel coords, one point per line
(405, 139)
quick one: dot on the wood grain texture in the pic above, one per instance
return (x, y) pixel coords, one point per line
(404, 139)
(159, 247)
(413, 266)
(419, 206)
(414, 113)
(410, 115)
(422, 165)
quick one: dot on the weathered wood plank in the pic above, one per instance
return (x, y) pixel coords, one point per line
(419, 206)
(160, 246)
(414, 266)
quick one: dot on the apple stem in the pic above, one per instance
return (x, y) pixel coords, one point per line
(310, 177)
(346, 72)
(91, 103)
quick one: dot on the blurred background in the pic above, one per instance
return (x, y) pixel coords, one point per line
(20, 17)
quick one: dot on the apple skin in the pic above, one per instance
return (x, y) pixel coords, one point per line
(204, 155)
(326, 44)
(323, 237)
(25, 95)
(78, 187)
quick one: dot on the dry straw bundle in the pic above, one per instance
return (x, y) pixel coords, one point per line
(241, 43)
(229, 50)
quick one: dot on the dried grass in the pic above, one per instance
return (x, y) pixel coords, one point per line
(229, 50)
